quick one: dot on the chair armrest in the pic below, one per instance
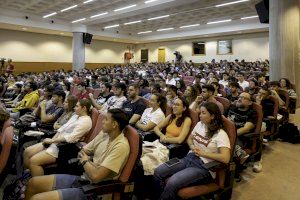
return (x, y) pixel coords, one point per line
(214, 165)
(251, 135)
(105, 187)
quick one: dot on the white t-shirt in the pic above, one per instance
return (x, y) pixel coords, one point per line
(223, 82)
(171, 82)
(156, 117)
(113, 102)
(211, 145)
(244, 84)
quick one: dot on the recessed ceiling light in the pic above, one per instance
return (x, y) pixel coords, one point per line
(97, 15)
(221, 21)
(250, 17)
(24, 28)
(159, 17)
(188, 26)
(62, 33)
(164, 29)
(124, 8)
(78, 20)
(88, 1)
(230, 3)
(150, 1)
(69, 8)
(144, 32)
(133, 22)
(49, 15)
(112, 26)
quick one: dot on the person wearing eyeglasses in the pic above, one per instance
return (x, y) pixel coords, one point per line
(245, 117)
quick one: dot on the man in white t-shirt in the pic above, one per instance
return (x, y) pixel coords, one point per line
(117, 100)
(244, 84)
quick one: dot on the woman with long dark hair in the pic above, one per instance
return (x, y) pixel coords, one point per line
(177, 124)
(208, 142)
(285, 84)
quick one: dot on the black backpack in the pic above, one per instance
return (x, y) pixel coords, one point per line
(16, 190)
(289, 133)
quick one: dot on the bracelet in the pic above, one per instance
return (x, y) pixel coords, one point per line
(84, 162)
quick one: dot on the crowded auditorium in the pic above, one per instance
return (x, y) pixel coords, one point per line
(149, 99)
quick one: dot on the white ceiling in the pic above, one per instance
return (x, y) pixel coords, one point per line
(182, 12)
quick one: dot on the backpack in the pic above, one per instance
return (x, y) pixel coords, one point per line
(16, 190)
(289, 133)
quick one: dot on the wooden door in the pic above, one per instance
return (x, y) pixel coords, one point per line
(161, 55)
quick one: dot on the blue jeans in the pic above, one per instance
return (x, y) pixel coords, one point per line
(187, 172)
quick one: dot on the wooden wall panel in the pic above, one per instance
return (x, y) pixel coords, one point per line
(48, 66)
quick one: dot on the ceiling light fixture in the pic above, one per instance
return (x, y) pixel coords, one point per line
(24, 28)
(124, 8)
(88, 1)
(100, 14)
(49, 15)
(230, 3)
(112, 26)
(221, 21)
(78, 20)
(133, 22)
(150, 1)
(144, 32)
(187, 26)
(69, 8)
(250, 17)
(159, 17)
(164, 29)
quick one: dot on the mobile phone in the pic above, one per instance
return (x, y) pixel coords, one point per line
(172, 162)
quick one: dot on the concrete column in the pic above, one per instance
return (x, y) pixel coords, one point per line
(284, 41)
(78, 51)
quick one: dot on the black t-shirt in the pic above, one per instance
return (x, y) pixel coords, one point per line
(241, 117)
(137, 107)
(232, 98)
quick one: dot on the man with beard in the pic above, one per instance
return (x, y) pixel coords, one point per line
(135, 105)
(245, 117)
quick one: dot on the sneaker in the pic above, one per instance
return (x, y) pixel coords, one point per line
(257, 166)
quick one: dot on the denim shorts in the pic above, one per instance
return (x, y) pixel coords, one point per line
(68, 187)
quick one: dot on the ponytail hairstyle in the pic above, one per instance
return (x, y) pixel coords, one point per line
(88, 104)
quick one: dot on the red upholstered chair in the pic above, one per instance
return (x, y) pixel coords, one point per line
(225, 102)
(272, 120)
(94, 117)
(124, 185)
(6, 152)
(97, 128)
(222, 185)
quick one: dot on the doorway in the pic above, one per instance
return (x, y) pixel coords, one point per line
(161, 55)
(144, 55)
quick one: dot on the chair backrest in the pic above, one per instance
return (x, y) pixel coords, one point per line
(6, 124)
(94, 117)
(97, 128)
(194, 117)
(230, 129)
(135, 144)
(259, 115)
(6, 143)
(225, 102)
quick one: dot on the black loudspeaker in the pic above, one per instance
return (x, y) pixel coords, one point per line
(87, 38)
(262, 9)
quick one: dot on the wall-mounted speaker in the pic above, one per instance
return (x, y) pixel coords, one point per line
(262, 9)
(87, 38)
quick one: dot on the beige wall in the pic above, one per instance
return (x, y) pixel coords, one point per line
(249, 47)
(34, 47)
